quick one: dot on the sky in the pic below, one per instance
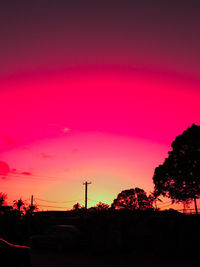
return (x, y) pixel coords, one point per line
(93, 91)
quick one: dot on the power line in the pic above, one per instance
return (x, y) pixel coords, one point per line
(93, 200)
(28, 178)
(51, 201)
(20, 172)
(57, 207)
(52, 206)
(33, 177)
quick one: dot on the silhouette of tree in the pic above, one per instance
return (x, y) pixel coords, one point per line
(178, 177)
(77, 206)
(153, 199)
(19, 205)
(3, 198)
(101, 206)
(30, 209)
(133, 199)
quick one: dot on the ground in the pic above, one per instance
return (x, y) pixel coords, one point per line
(87, 259)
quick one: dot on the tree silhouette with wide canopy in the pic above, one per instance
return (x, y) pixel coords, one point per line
(133, 199)
(179, 176)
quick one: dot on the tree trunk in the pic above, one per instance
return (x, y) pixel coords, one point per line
(195, 203)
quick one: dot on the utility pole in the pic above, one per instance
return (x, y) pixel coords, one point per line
(86, 190)
(195, 204)
(32, 201)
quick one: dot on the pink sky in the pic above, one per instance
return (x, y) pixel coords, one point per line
(93, 92)
(110, 126)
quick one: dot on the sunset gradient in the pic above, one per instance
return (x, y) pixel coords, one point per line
(100, 102)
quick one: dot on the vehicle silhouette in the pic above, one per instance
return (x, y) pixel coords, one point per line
(14, 255)
(59, 237)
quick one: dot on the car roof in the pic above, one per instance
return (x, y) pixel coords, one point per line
(4, 241)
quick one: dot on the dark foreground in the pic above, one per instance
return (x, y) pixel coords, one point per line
(106, 238)
(87, 259)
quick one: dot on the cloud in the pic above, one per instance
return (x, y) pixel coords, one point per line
(15, 171)
(4, 169)
(47, 156)
(26, 173)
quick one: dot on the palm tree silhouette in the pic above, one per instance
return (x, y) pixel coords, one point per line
(3, 198)
(18, 204)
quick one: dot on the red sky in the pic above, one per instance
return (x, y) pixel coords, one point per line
(93, 92)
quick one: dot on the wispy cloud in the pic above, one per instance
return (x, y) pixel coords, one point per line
(26, 173)
(47, 156)
(15, 171)
(5, 171)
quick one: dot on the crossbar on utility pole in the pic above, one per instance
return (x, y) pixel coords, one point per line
(86, 191)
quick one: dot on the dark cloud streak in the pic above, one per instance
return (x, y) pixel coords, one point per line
(47, 156)
(5, 171)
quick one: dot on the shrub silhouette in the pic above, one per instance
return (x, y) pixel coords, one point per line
(133, 199)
